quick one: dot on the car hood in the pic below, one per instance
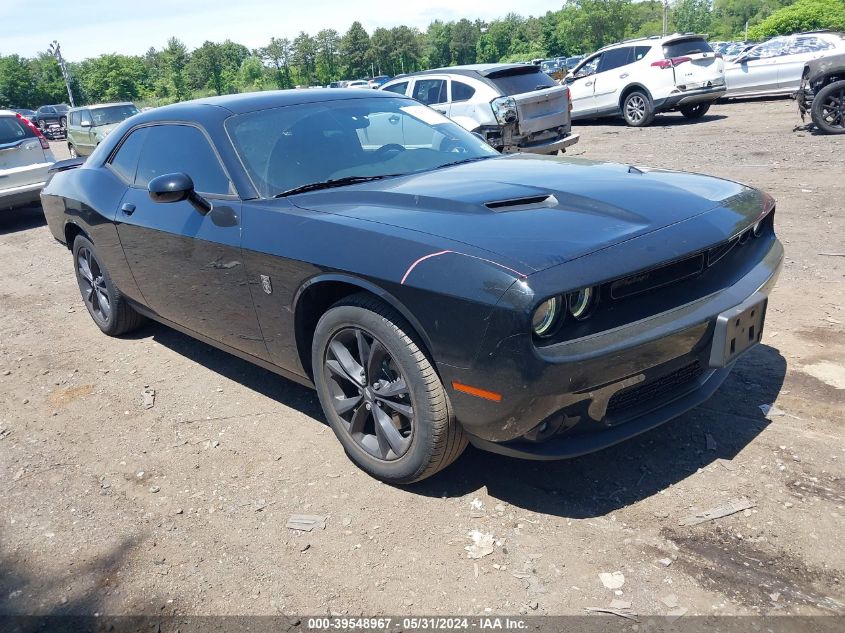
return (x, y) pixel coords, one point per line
(825, 65)
(536, 211)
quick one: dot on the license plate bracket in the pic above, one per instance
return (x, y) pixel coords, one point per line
(738, 330)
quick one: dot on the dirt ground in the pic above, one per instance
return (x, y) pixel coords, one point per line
(111, 508)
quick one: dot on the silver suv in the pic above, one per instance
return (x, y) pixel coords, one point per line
(514, 107)
(25, 157)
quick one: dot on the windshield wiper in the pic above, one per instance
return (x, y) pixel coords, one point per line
(465, 160)
(328, 184)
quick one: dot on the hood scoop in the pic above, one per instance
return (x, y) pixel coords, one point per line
(520, 204)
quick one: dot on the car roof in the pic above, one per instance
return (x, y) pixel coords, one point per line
(252, 101)
(655, 39)
(484, 70)
(103, 105)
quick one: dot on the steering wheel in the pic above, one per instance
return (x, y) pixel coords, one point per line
(382, 152)
(452, 145)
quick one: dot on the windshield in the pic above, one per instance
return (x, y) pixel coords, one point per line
(112, 114)
(62, 108)
(286, 148)
(691, 46)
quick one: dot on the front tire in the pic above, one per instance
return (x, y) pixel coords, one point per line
(637, 109)
(107, 306)
(828, 111)
(695, 111)
(381, 395)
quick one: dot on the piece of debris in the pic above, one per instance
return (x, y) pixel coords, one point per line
(261, 504)
(774, 596)
(154, 489)
(18, 474)
(620, 612)
(306, 522)
(731, 507)
(305, 547)
(476, 509)
(833, 254)
(770, 410)
(671, 601)
(620, 604)
(675, 613)
(347, 521)
(149, 396)
(661, 514)
(665, 561)
(710, 441)
(482, 544)
(613, 580)
(533, 605)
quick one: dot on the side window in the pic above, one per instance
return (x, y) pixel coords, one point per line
(808, 45)
(399, 88)
(589, 68)
(640, 52)
(430, 91)
(181, 148)
(461, 91)
(73, 118)
(125, 161)
(773, 48)
(615, 58)
(85, 115)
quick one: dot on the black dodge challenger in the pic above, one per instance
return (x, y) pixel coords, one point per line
(433, 291)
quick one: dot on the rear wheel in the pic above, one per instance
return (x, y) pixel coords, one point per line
(828, 111)
(106, 305)
(695, 111)
(637, 109)
(380, 394)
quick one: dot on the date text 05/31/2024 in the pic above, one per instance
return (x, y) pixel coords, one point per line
(416, 624)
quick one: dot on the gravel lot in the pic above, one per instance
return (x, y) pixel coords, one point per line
(112, 508)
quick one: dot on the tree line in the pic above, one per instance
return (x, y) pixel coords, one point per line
(174, 73)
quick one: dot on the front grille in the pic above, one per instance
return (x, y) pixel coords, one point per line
(655, 391)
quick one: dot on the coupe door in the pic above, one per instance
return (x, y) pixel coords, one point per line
(581, 87)
(612, 76)
(432, 92)
(188, 266)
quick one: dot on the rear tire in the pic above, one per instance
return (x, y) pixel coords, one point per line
(72, 151)
(828, 111)
(389, 411)
(637, 109)
(695, 111)
(107, 306)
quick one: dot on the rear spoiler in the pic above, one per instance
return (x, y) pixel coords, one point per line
(64, 165)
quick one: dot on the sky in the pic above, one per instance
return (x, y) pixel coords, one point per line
(87, 28)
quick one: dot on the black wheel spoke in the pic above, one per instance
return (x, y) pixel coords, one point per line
(359, 421)
(387, 432)
(392, 389)
(354, 371)
(343, 405)
(400, 408)
(374, 363)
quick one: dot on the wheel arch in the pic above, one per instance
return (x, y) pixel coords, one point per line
(72, 231)
(631, 88)
(318, 294)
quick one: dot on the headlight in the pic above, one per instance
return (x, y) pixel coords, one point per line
(581, 302)
(505, 110)
(546, 317)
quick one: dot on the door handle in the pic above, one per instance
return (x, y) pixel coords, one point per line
(589, 83)
(440, 111)
(128, 208)
(623, 76)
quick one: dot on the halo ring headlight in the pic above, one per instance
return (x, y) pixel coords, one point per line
(546, 317)
(581, 303)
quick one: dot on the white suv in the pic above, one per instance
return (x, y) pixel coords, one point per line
(25, 157)
(637, 79)
(514, 107)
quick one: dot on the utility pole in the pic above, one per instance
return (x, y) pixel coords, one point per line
(665, 18)
(56, 51)
(746, 30)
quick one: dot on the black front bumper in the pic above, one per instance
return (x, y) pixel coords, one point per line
(588, 394)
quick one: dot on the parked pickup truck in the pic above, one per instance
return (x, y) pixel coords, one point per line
(514, 107)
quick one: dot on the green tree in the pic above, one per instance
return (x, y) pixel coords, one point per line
(113, 77)
(278, 54)
(174, 59)
(205, 68)
(462, 44)
(437, 47)
(304, 58)
(355, 52)
(804, 15)
(692, 16)
(251, 75)
(382, 47)
(17, 83)
(328, 50)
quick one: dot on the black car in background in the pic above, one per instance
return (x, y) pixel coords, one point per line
(48, 115)
(433, 291)
(822, 93)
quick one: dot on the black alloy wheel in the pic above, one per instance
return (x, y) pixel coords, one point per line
(92, 284)
(828, 110)
(370, 394)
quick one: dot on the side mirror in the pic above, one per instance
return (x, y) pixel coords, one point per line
(176, 188)
(85, 124)
(570, 79)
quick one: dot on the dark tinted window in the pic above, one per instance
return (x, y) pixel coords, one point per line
(111, 114)
(616, 57)
(12, 130)
(62, 108)
(47, 110)
(73, 118)
(399, 88)
(686, 47)
(430, 91)
(125, 161)
(640, 52)
(180, 148)
(521, 79)
(461, 91)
